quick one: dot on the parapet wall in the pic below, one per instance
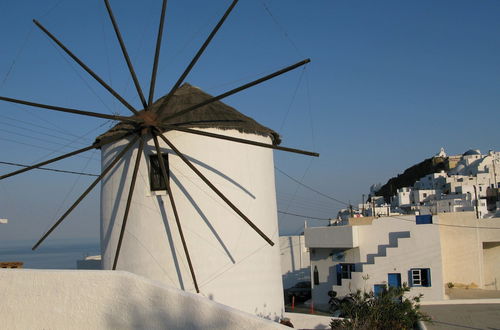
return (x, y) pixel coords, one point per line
(64, 299)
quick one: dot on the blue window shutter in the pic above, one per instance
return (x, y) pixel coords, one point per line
(424, 219)
(410, 278)
(338, 268)
(428, 271)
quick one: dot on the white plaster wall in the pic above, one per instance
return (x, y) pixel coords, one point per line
(462, 237)
(332, 237)
(491, 256)
(421, 250)
(295, 262)
(309, 321)
(233, 264)
(55, 299)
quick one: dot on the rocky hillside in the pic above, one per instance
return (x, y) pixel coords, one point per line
(411, 175)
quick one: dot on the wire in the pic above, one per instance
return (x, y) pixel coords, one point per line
(48, 169)
(36, 132)
(303, 216)
(51, 8)
(310, 188)
(444, 224)
(393, 217)
(52, 151)
(34, 137)
(72, 66)
(293, 97)
(70, 143)
(280, 27)
(17, 57)
(309, 108)
(35, 125)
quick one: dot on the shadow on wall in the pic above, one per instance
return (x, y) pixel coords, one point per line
(120, 190)
(149, 150)
(203, 216)
(146, 307)
(267, 315)
(382, 249)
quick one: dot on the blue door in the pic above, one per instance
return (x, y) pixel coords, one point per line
(394, 279)
(378, 289)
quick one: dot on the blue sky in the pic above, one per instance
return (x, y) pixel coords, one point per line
(390, 82)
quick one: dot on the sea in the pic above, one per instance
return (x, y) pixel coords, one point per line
(55, 254)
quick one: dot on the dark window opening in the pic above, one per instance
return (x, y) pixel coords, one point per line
(156, 179)
(346, 270)
(420, 277)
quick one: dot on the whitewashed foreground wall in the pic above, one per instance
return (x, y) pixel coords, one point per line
(68, 299)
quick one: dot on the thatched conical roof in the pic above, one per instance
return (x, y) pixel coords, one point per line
(214, 115)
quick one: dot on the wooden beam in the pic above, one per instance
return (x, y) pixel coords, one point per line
(129, 200)
(86, 68)
(217, 191)
(239, 140)
(86, 192)
(174, 209)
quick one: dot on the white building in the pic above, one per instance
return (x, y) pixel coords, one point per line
(425, 251)
(473, 184)
(295, 262)
(233, 264)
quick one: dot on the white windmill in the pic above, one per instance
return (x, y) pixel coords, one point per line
(202, 216)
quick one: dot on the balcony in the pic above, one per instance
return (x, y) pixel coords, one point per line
(341, 237)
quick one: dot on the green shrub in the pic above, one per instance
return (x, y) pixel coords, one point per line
(390, 310)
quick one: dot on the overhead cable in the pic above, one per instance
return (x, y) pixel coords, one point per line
(48, 169)
(303, 216)
(310, 188)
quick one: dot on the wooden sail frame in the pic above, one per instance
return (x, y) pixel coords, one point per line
(146, 124)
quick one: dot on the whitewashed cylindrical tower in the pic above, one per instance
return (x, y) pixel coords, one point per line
(233, 264)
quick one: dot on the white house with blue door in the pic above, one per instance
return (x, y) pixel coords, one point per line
(425, 251)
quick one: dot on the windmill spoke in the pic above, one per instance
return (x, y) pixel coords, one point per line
(217, 191)
(199, 53)
(73, 153)
(157, 54)
(239, 89)
(69, 110)
(234, 139)
(48, 162)
(174, 209)
(125, 53)
(75, 204)
(86, 68)
(129, 200)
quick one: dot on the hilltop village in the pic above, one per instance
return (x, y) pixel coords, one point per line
(455, 183)
(435, 228)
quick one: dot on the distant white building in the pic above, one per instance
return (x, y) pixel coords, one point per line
(295, 263)
(89, 262)
(425, 251)
(473, 184)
